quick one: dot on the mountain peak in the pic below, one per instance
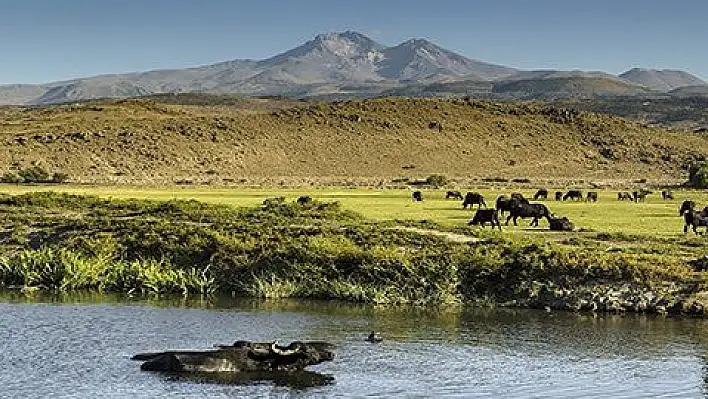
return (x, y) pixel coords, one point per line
(661, 79)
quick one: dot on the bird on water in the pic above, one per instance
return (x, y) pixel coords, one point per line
(373, 337)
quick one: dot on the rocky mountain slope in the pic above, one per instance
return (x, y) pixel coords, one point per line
(378, 142)
(351, 65)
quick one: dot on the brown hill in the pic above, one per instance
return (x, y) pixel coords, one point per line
(363, 141)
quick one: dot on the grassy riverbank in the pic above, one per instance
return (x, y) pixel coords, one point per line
(63, 242)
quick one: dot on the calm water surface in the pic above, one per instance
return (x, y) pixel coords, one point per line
(80, 347)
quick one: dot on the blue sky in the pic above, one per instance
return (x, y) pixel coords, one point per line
(49, 40)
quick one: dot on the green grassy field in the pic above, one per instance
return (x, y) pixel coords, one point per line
(621, 256)
(654, 217)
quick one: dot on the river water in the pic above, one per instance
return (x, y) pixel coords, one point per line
(80, 347)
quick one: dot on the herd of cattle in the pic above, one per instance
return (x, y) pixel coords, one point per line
(517, 206)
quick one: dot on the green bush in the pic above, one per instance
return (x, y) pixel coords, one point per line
(698, 174)
(13, 178)
(436, 180)
(35, 174)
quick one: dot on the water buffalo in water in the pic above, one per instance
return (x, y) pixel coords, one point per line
(541, 193)
(242, 356)
(473, 198)
(575, 195)
(453, 194)
(591, 196)
(417, 196)
(483, 216)
(525, 210)
(559, 195)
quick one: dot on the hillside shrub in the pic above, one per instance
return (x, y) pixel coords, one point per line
(436, 180)
(698, 175)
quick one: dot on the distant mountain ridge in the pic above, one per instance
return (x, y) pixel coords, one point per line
(351, 64)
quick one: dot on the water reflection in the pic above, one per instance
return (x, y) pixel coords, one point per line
(426, 352)
(300, 380)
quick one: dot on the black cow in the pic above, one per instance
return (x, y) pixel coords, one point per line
(525, 210)
(473, 198)
(453, 194)
(667, 195)
(559, 195)
(641, 195)
(624, 195)
(503, 204)
(304, 200)
(483, 216)
(695, 220)
(575, 195)
(591, 196)
(560, 224)
(519, 197)
(541, 193)
(417, 196)
(686, 206)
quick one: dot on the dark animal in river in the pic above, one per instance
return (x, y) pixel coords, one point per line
(243, 356)
(559, 195)
(667, 195)
(453, 194)
(575, 195)
(483, 216)
(417, 196)
(591, 196)
(624, 195)
(524, 210)
(373, 338)
(473, 198)
(541, 193)
(560, 224)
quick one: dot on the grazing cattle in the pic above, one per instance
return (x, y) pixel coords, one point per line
(541, 193)
(641, 195)
(667, 195)
(453, 194)
(695, 220)
(560, 224)
(304, 200)
(591, 196)
(503, 204)
(473, 198)
(575, 195)
(559, 195)
(483, 216)
(417, 196)
(526, 210)
(519, 197)
(686, 206)
(624, 195)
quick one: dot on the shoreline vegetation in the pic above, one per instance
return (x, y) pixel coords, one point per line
(58, 242)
